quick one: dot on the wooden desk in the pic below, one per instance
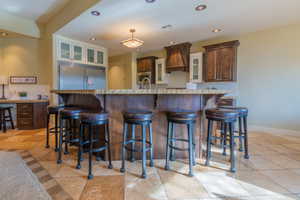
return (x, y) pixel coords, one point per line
(30, 114)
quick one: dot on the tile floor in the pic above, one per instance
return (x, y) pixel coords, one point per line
(272, 173)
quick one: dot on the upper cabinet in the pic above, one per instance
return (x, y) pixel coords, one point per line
(79, 52)
(178, 57)
(147, 64)
(196, 60)
(220, 62)
(160, 71)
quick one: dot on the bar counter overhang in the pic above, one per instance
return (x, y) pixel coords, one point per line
(159, 101)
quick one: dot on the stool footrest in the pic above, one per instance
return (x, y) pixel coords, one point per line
(137, 150)
(136, 140)
(178, 149)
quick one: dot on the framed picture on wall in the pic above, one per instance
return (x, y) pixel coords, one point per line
(23, 80)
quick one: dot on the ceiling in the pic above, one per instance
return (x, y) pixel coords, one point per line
(40, 10)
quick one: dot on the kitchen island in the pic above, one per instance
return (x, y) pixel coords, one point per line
(159, 101)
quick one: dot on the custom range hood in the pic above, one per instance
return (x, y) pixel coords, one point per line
(178, 57)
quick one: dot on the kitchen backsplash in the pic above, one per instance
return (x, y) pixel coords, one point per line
(12, 91)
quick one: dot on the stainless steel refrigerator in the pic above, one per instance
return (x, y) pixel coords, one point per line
(81, 77)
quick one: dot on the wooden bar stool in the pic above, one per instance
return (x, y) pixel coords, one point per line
(227, 118)
(53, 111)
(242, 132)
(91, 120)
(181, 117)
(67, 129)
(6, 116)
(143, 119)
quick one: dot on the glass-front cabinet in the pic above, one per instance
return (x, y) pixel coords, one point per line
(80, 52)
(196, 60)
(90, 56)
(160, 71)
(64, 50)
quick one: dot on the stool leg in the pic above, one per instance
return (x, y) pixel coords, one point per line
(11, 119)
(208, 145)
(90, 175)
(246, 138)
(144, 175)
(172, 152)
(194, 144)
(125, 127)
(67, 135)
(191, 153)
(1, 121)
(56, 132)
(132, 159)
(167, 166)
(60, 140)
(4, 121)
(47, 131)
(232, 147)
(107, 135)
(151, 145)
(79, 146)
(240, 135)
(224, 138)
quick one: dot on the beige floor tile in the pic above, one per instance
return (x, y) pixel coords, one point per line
(150, 188)
(258, 184)
(260, 162)
(284, 161)
(104, 188)
(179, 186)
(288, 179)
(73, 185)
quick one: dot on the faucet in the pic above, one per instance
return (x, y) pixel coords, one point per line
(146, 83)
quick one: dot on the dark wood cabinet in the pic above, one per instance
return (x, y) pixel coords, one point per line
(147, 64)
(220, 62)
(31, 115)
(178, 57)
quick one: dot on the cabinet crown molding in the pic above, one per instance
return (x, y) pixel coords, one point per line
(234, 43)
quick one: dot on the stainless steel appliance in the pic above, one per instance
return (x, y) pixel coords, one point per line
(81, 77)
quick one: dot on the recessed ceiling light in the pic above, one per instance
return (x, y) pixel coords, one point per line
(95, 13)
(150, 1)
(166, 26)
(93, 38)
(216, 30)
(4, 34)
(201, 7)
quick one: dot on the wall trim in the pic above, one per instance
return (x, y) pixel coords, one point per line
(274, 131)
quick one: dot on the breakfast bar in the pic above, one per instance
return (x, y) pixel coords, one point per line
(159, 101)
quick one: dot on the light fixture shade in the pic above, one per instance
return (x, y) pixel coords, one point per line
(3, 80)
(132, 42)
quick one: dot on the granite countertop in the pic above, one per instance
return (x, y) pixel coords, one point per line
(8, 101)
(142, 91)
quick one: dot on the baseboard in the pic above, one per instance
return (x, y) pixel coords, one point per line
(274, 131)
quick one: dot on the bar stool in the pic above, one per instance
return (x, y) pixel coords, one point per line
(143, 119)
(227, 118)
(6, 116)
(91, 120)
(53, 111)
(181, 117)
(243, 132)
(67, 129)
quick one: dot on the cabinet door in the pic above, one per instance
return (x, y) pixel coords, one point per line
(78, 53)
(160, 71)
(211, 66)
(196, 67)
(90, 56)
(225, 63)
(99, 57)
(64, 50)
